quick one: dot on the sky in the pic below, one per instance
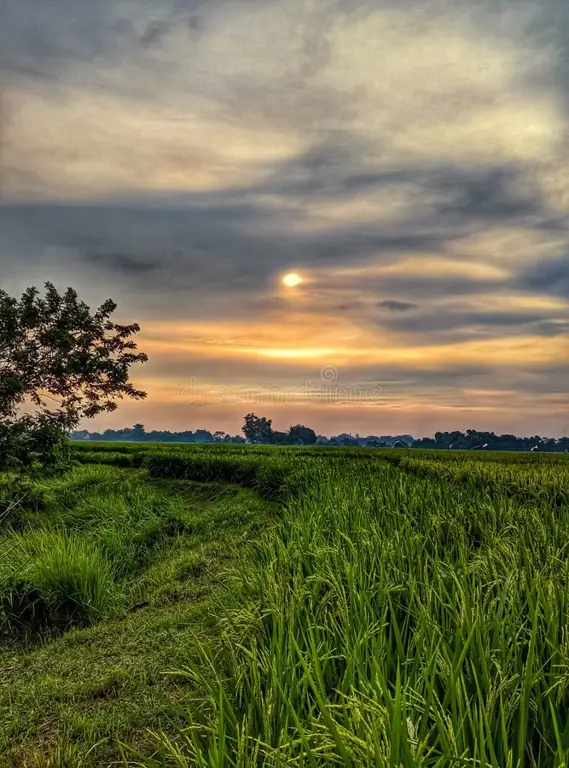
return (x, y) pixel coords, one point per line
(408, 159)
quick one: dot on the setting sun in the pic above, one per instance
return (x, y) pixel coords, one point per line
(292, 279)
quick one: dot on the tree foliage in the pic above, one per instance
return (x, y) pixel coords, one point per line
(302, 435)
(59, 363)
(257, 429)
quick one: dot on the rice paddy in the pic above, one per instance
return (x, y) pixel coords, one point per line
(240, 606)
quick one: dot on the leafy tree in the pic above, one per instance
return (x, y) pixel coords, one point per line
(280, 438)
(302, 435)
(203, 436)
(257, 429)
(346, 440)
(59, 363)
(138, 432)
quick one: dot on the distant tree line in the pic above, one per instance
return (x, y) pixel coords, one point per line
(490, 441)
(138, 434)
(258, 430)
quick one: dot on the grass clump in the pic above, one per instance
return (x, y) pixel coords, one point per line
(54, 580)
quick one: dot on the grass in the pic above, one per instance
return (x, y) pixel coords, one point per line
(116, 575)
(282, 607)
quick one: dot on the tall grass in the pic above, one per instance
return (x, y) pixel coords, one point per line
(404, 609)
(54, 580)
(68, 557)
(392, 619)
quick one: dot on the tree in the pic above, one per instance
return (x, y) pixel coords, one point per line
(59, 363)
(138, 432)
(280, 438)
(203, 436)
(302, 435)
(257, 429)
(346, 440)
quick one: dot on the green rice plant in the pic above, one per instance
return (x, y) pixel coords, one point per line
(401, 609)
(54, 580)
(391, 619)
(116, 458)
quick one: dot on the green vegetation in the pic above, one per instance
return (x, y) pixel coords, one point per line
(107, 578)
(237, 606)
(59, 363)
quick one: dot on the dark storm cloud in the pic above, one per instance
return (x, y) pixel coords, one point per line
(445, 201)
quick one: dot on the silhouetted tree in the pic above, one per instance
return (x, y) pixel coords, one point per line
(302, 435)
(280, 438)
(257, 429)
(203, 436)
(138, 432)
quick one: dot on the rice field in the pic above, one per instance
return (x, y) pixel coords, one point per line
(237, 606)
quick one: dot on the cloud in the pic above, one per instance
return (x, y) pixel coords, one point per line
(121, 262)
(489, 193)
(53, 39)
(397, 306)
(551, 276)
(470, 323)
(215, 244)
(381, 87)
(182, 155)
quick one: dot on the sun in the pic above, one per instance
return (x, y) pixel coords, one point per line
(292, 279)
